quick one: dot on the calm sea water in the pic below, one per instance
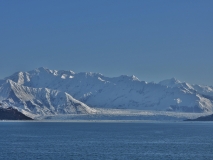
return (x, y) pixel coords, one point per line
(60, 140)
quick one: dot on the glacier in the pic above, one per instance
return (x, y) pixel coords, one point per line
(43, 92)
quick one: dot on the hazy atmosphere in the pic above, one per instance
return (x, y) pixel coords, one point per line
(152, 100)
(153, 40)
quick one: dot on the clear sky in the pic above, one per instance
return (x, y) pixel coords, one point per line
(151, 39)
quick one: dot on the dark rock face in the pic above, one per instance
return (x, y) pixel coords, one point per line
(12, 114)
(203, 118)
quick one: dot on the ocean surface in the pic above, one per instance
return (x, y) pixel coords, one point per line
(106, 140)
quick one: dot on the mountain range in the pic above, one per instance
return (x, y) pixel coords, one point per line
(48, 92)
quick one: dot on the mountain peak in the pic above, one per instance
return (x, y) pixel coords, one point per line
(126, 77)
(173, 82)
(173, 79)
(134, 78)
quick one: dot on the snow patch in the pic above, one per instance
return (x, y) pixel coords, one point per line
(64, 76)
(178, 100)
(101, 79)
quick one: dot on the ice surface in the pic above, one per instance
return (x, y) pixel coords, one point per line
(124, 115)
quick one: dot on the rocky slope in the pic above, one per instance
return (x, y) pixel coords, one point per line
(12, 114)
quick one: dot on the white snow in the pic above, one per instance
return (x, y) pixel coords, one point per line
(178, 100)
(101, 79)
(50, 92)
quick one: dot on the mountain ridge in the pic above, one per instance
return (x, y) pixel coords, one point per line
(94, 90)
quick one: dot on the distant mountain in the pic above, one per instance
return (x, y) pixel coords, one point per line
(174, 83)
(43, 92)
(12, 114)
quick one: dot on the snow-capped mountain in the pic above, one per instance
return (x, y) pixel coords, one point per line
(45, 91)
(40, 101)
(200, 89)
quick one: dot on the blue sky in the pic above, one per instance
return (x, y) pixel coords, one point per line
(153, 39)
